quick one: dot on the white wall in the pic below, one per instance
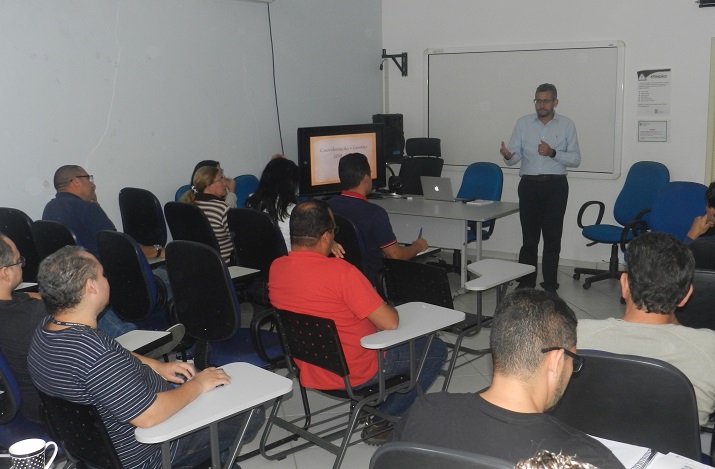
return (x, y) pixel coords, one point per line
(138, 91)
(657, 33)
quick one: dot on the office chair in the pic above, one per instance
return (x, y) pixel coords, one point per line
(206, 304)
(635, 200)
(676, 206)
(187, 222)
(425, 160)
(405, 455)
(315, 341)
(246, 184)
(50, 236)
(621, 398)
(257, 239)
(17, 226)
(698, 311)
(181, 191)
(142, 216)
(350, 239)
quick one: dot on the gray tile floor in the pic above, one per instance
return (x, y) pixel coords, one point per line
(601, 301)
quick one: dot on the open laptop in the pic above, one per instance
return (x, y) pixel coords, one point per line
(439, 188)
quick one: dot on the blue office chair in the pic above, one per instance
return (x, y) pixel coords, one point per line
(246, 184)
(13, 426)
(676, 207)
(181, 191)
(643, 182)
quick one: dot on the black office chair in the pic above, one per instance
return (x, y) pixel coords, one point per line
(699, 311)
(636, 400)
(257, 240)
(187, 222)
(315, 341)
(17, 226)
(79, 430)
(703, 252)
(350, 239)
(142, 216)
(425, 160)
(50, 236)
(402, 282)
(405, 455)
(206, 304)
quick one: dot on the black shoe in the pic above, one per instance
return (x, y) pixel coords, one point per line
(524, 285)
(549, 288)
(377, 432)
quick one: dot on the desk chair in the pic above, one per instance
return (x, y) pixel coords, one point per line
(350, 239)
(636, 400)
(187, 222)
(315, 341)
(17, 226)
(404, 455)
(425, 160)
(142, 216)
(13, 426)
(79, 430)
(181, 191)
(257, 240)
(635, 200)
(404, 281)
(246, 184)
(676, 206)
(50, 236)
(206, 304)
(699, 311)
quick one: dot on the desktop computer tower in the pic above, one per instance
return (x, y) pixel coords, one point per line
(394, 136)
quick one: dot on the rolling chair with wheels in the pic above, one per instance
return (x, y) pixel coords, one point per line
(425, 160)
(17, 226)
(50, 236)
(142, 216)
(405, 455)
(246, 184)
(676, 206)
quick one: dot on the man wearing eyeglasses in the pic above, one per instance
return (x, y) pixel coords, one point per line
(20, 314)
(533, 344)
(659, 279)
(546, 145)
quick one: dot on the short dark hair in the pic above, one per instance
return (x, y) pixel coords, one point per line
(62, 277)
(525, 322)
(352, 168)
(544, 87)
(660, 272)
(308, 221)
(710, 195)
(6, 256)
(64, 175)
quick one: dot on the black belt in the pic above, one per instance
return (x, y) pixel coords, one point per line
(543, 177)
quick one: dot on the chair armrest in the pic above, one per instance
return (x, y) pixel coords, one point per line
(601, 210)
(638, 227)
(263, 317)
(640, 214)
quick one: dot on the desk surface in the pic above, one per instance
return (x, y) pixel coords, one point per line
(416, 319)
(143, 341)
(250, 386)
(495, 272)
(242, 273)
(451, 210)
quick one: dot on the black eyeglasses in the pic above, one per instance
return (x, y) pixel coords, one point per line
(544, 101)
(577, 359)
(20, 262)
(336, 229)
(90, 177)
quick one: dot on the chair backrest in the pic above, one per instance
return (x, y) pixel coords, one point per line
(698, 312)
(676, 206)
(423, 147)
(636, 400)
(142, 216)
(412, 169)
(134, 293)
(246, 184)
(257, 240)
(313, 340)
(351, 240)
(187, 222)
(181, 191)
(405, 281)
(50, 236)
(10, 397)
(704, 253)
(644, 180)
(483, 181)
(17, 226)
(404, 455)
(79, 430)
(204, 295)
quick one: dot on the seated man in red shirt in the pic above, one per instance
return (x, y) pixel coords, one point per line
(307, 281)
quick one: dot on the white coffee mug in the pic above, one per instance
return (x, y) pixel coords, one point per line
(30, 454)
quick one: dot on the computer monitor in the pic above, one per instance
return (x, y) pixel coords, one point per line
(320, 150)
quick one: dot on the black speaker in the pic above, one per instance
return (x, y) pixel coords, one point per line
(394, 136)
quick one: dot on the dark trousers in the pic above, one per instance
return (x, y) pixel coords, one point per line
(542, 205)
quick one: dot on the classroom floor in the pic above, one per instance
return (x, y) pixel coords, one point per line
(599, 302)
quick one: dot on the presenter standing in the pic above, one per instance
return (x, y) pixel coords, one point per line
(546, 144)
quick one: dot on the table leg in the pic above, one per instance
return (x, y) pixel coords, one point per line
(236, 446)
(166, 455)
(215, 453)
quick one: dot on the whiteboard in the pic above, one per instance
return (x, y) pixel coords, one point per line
(475, 95)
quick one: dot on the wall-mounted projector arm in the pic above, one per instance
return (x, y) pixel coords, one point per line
(402, 65)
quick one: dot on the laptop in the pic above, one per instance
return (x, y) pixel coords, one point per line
(439, 188)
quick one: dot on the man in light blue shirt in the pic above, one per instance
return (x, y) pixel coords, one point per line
(545, 144)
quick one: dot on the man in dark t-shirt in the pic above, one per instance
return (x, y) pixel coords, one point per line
(20, 314)
(533, 341)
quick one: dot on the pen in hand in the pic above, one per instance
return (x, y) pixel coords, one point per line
(420, 235)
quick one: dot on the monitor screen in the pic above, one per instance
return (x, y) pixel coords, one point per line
(320, 150)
